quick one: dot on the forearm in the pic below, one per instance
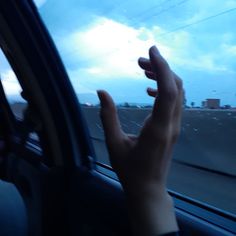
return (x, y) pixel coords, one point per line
(152, 215)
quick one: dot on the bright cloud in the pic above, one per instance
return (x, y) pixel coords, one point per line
(10, 83)
(77, 83)
(230, 49)
(112, 49)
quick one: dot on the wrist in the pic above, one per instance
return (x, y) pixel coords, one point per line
(153, 213)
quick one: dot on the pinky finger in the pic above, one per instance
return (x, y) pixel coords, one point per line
(152, 92)
(150, 75)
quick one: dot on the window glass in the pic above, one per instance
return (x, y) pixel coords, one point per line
(100, 42)
(18, 104)
(11, 88)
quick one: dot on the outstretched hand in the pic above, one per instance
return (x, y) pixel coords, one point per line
(142, 162)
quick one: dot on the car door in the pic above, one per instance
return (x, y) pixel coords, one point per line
(65, 189)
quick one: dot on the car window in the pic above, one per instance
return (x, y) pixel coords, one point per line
(17, 102)
(100, 42)
(12, 88)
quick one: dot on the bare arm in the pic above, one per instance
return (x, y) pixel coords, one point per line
(142, 162)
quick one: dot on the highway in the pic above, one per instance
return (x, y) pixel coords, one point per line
(204, 165)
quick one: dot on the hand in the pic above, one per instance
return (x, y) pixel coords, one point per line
(142, 162)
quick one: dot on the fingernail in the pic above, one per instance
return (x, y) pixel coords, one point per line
(154, 49)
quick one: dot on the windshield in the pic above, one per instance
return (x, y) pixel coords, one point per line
(100, 42)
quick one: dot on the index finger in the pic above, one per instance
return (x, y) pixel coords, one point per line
(167, 89)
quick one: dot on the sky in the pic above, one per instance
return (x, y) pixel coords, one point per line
(100, 42)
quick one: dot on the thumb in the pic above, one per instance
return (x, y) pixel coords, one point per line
(110, 120)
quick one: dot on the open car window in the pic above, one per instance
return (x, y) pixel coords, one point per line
(100, 42)
(19, 106)
(12, 88)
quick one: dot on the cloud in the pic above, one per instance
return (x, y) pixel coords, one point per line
(203, 9)
(110, 49)
(230, 49)
(10, 83)
(78, 85)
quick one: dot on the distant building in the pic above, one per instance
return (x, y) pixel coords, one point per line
(211, 103)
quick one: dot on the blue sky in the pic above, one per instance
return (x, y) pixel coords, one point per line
(100, 42)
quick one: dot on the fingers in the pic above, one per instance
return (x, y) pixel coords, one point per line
(178, 109)
(168, 98)
(167, 89)
(165, 78)
(110, 121)
(179, 100)
(152, 92)
(145, 64)
(150, 75)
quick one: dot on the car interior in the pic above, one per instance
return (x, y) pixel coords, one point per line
(53, 185)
